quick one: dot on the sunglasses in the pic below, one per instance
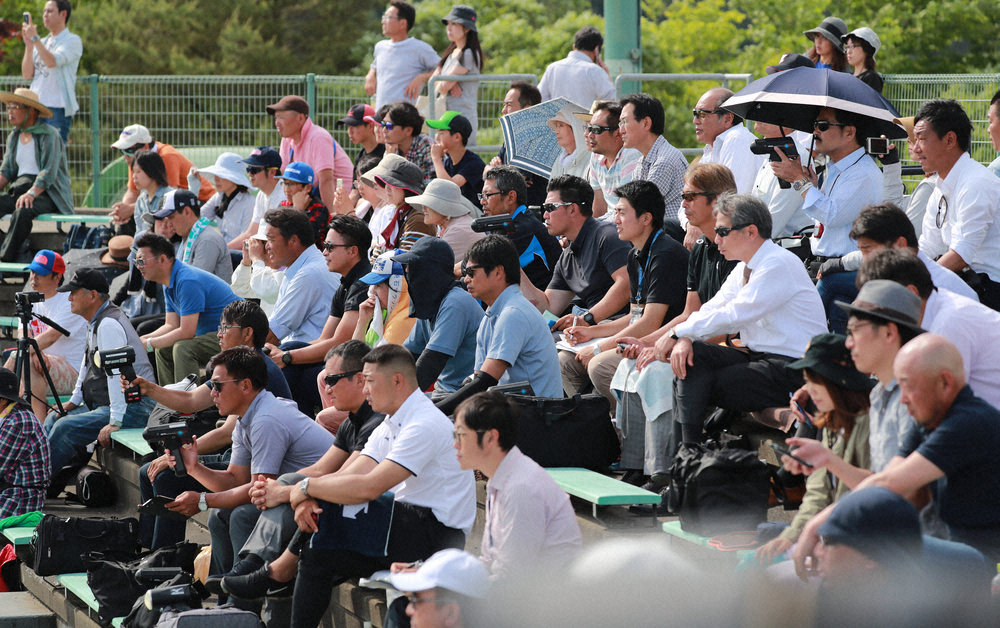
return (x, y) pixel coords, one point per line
(942, 213)
(597, 129)
(252, 170)
(724, 231)
(216, 384)
(550, 208)
(129, 152)
(824, 125)
(469, 271)
(386, 125)
(701, 114)
(331, 379)
(329, 246)
(690, 196)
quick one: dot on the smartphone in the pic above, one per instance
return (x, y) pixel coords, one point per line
(878, 146)
(801, 409)
(786, 452)
(27, 17)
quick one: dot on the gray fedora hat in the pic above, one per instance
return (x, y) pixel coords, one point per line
(832, 28)
(381, 169)
(887, 299)
(444, 197)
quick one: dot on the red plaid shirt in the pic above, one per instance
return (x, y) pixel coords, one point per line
(24, 462)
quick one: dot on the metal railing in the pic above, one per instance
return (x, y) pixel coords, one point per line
(216, 111)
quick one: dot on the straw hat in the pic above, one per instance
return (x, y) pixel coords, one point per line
(28, 98)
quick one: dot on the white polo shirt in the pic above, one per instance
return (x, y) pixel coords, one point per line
(418, 437)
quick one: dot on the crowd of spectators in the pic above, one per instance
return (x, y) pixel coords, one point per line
(351, 321)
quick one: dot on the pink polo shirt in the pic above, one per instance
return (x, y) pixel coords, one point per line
(320, 151)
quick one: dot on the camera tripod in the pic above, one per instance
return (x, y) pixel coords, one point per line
(22, 368)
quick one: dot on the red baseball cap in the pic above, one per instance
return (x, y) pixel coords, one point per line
(47, 262)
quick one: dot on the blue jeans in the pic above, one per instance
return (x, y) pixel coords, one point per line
(81, 426)
(60, 120)
(837, 287)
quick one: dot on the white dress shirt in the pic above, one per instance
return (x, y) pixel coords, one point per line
(530, 523)
(851, 184)
(972, 195)
(975, 330)
(578, 79)
(787, 217)
(777, 311)
(941, 276)
(732, 149)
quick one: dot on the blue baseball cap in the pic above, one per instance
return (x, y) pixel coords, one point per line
(383, 268)
(47, 262)
(298, 172)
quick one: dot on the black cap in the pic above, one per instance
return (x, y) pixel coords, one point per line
(88, 279)
(828, 355)
(462, 14)
(9, 386)
(791, 60)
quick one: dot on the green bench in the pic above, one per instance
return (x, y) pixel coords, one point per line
(132, 439)
(76, 583)
(19, 536)
(601, 490)
(673, 528)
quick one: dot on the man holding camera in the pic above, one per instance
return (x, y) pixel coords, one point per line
(105, 411)
(852, 182)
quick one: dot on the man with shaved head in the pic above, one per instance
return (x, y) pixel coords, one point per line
(958, 439)
(726, 140)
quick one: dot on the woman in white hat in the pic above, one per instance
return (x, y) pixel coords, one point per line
(861, 44)
(232, 205)
(445, 208)
(574, 158)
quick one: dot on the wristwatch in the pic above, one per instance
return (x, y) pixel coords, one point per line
(801, 184)
(304, 487)
(32, 192)
(673, 334)
(286, 358)
(149, 345)
(597, 349)
(588, 318)
(34, 38)
(202, 503)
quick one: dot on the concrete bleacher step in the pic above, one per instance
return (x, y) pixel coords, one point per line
(21, 609)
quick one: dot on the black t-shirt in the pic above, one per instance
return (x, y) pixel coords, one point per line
(707, 269)
(353, 433)
(537, 251)
(964, 446)
(872, 79)
(471, 167)
(585, 266)
(351, 293)
(662, 263)
(378, 151)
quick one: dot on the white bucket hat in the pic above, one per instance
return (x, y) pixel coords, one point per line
(228, 166)
(867, 35)
(444, 197)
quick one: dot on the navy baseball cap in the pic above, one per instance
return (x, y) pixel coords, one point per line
(263, 157)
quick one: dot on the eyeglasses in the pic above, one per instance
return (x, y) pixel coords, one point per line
(387, 17)
(942, 213)
(484, 196)
(15, 107)
(596, 129)
(701, 114)
(851, 330)
(690, 196)
(216, 384)
(225, 328)
(850, 47)
(724, 231)
(550, 208)
(457, 436)
(824, 125)
(416, 601)
(329, 246)
(469, 271)
(386, 125)
(331, 379)
(622, 122)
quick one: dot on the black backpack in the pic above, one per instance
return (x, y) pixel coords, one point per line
(716, 491)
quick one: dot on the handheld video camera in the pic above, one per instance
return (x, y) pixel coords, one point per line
(502, 224)
(122, 359)
(766, 146)
(170, 436)
(23, 300)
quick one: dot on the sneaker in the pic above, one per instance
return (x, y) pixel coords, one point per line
(635, 477)
(250, 586)
(241, 568)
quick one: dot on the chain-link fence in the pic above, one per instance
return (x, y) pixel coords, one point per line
(228, 111)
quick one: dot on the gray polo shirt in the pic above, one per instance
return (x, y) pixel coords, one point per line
(585, 266)
(273, 437)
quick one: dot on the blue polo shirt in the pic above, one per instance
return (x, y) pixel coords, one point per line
(194, 291)
(514, 331)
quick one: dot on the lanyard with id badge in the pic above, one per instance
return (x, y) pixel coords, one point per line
(638, 307)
